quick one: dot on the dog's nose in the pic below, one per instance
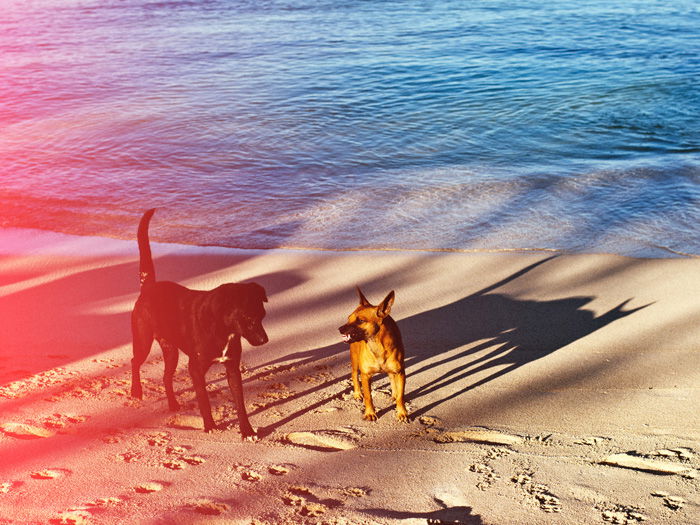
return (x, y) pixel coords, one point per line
(260, 339)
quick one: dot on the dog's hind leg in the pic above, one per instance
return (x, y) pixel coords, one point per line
(170, 356)
(235, 383)
(142, 342)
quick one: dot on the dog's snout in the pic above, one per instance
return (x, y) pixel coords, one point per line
(262, 339)
(257, 337)
(351, 333)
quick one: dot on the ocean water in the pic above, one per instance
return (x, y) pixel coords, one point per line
(570, 126)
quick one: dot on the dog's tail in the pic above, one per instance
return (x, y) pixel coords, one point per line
(146, 269)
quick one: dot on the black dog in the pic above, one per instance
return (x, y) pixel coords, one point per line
(205, 325)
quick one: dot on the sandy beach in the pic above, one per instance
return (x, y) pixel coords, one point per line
(542, 389)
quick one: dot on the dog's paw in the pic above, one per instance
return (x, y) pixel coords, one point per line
(370, 416)
(248, 434)
(402, 417)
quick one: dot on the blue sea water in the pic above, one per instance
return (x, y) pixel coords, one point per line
(564, 125)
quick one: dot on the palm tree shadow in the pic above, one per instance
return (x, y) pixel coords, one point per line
(501, 334)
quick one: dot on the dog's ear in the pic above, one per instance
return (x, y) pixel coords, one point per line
(363, 299)
(259, 292)
(384, 307)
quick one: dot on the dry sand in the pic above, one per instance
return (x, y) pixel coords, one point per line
(542, 390)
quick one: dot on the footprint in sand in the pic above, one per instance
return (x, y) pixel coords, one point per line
(174, 464)
(292, 500)
(684, 454)
(182, 454)
(429, 421)
(312, 510)
(48, 474)
(177, 450)
(298, 497)
(356, 492)
(307, 503)
(108, 362)
(431, 426)
(672, 502)
(250, 475)
(498, 452)
(620, 514)
(62, 421)
(49, 378)
(105, 502)
(487, 475)
(24, 431)
(248, 472)
(542, 495)
(72, 517)
(7, 486)
(186, 422)
(149, 487)
(325, 440)
(158, 439)
(130, 456)
(209, 507)
(278, 470)
(193, 460)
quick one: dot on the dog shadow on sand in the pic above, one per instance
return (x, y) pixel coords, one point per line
(501, 334)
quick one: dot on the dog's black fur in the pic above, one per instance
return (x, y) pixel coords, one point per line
(205, 325)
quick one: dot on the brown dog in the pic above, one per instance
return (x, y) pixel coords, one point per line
(205, 325)
(375, 346)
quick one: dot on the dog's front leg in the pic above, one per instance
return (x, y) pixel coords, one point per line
(370, 413)
(398, 384)
(200, 388)
(235, 383)
(355, 367)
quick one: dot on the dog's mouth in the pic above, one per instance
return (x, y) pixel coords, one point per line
(351, 334)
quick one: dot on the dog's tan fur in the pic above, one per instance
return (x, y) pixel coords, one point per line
(375, 346)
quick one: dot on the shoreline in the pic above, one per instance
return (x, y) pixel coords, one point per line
(19, 231)
(530, 379)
